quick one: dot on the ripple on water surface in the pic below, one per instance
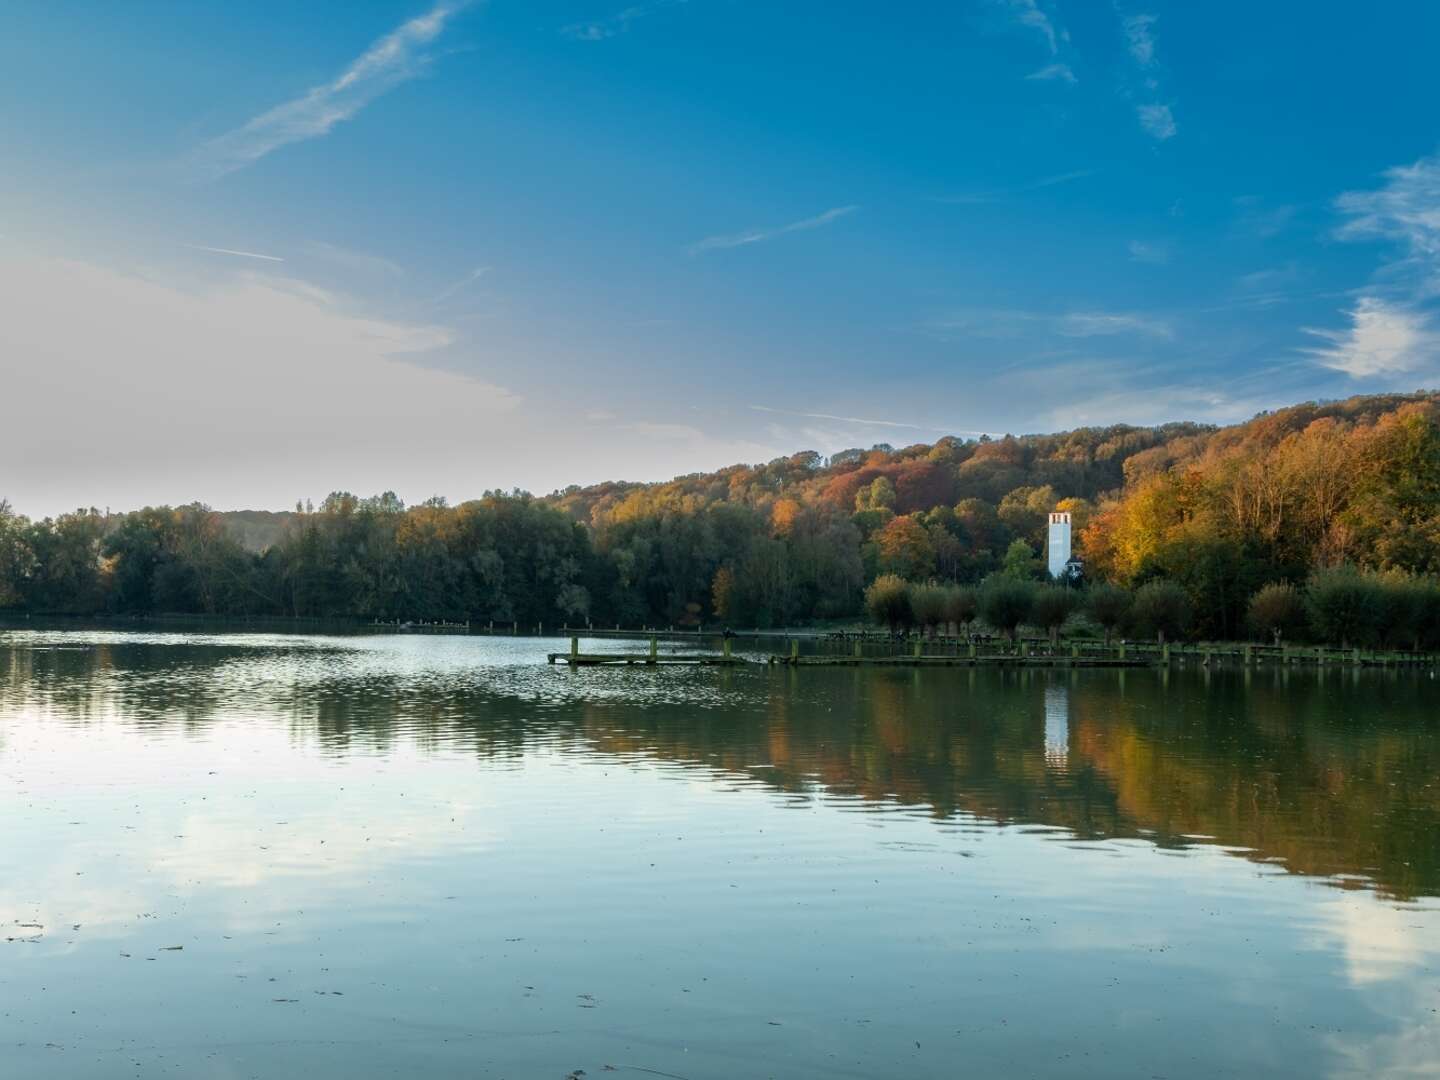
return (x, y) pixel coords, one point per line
(380, 855)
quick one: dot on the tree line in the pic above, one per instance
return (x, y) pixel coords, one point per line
(1337, 606)
(1218, 513)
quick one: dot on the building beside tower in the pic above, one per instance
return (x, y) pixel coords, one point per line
(1057, 545)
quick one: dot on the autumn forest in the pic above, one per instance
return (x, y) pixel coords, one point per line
(1216, 515)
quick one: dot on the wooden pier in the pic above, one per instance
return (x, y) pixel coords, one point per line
(924, 660)
(653, 658)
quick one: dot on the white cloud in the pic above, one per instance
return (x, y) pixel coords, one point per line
(1143, 252)
(1405, 209)
(1099, 323)
(1001, 193)
(755, 236)
(1029, 14)
(455, 286)
(613, 25)
(1157, 121)
(999, 323)
(1391, 330)
(1383, 339)
(394, 59)
(1051, 72)
(844, 419)
(1140, 40)
(232, 251)
(360, 261)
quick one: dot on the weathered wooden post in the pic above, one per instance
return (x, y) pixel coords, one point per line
(654, 648)
(1165, 654)
(1249, 654)
(972, 650)
(725, 642)
(859, 649)
(916, 649)
(574, 647)
(794, 650)
(1074, 650)
(1122, 650)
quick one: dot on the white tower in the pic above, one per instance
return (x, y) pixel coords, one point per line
(1058, 547)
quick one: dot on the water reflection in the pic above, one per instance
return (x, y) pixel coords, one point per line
(1332, 775)
(375, 856)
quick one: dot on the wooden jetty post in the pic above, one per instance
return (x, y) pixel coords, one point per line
(654, 648)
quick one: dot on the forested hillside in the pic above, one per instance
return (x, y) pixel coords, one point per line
(1219, 511)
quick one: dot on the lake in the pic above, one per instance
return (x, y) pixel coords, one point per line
(267, 855)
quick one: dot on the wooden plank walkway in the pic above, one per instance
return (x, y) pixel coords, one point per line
(644, 660)
(922, 660)
(653, 658)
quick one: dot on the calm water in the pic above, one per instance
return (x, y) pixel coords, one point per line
(276, 856)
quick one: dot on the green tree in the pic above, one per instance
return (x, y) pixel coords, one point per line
(888, 601)
(1161, 609)
(1277, 611)
(1345, 606)
(927, 604)
(961, 606)
(1005, 602)
(1050, 606)
(1021, 563)
(1108, 605)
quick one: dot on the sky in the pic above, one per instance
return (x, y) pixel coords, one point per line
(255, 253)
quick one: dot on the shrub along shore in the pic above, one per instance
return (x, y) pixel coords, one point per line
(1339, 608)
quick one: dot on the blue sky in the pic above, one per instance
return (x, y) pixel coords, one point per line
(256, 252)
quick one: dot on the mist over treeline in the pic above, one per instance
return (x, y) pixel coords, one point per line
(1220, 512)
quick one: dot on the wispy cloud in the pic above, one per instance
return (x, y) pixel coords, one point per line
(1103, 323)
(842, 419)
(232, 251)
(1140, 40)
(838, 437)
(755, 236)
(1392, 329)
(354, 260)
(1034, 185)
(1157, 121)
(453, 288)
(394, 59)
(1062, 72)
(1260, 220)
(1143, 251)
(1029, 14)
(613, 25)
(1002, 323)
(1035, 16)
(1382, 339)
(1406, 209)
